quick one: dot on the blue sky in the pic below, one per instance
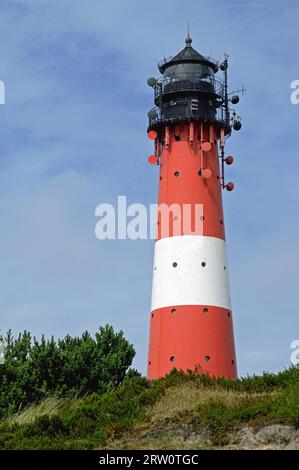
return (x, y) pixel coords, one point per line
(73, 135)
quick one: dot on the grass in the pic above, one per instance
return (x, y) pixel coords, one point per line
(50, 407)
(190, 397)
(182, 410)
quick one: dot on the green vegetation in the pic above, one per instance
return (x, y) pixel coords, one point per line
(159, 414)
(70, 367)
(79, 393)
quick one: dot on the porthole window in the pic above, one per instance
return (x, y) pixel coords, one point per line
(173, 310)
(172, 359)
(203, 264)
(207, 358)
(174, 264)
(205, 310)
(176, 173)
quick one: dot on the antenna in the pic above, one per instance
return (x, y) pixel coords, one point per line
(188, 39)
(242, 90)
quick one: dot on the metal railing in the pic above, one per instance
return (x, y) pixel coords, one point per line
(185, 114)
(208, 85)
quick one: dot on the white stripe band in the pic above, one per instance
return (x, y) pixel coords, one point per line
(190, 270)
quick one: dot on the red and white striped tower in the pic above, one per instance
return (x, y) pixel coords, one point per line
(191, 317)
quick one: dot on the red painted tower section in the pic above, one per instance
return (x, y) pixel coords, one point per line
(191, 318)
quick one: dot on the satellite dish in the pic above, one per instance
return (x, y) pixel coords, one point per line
(206, 146)
(230, 186)
(237, 125)
(235, 99)
(207, 173)
(152, 134)
(152, 114)
(152, 159)
(152, 82)
(229, 160)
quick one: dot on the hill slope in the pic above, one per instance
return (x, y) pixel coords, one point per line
(180, 411)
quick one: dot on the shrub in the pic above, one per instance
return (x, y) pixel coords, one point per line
(76, 366)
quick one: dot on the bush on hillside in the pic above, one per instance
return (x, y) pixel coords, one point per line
(73, 366)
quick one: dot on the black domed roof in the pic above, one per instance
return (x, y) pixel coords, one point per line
(187, 56)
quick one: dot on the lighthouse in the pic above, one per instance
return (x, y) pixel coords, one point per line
(191, 324)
